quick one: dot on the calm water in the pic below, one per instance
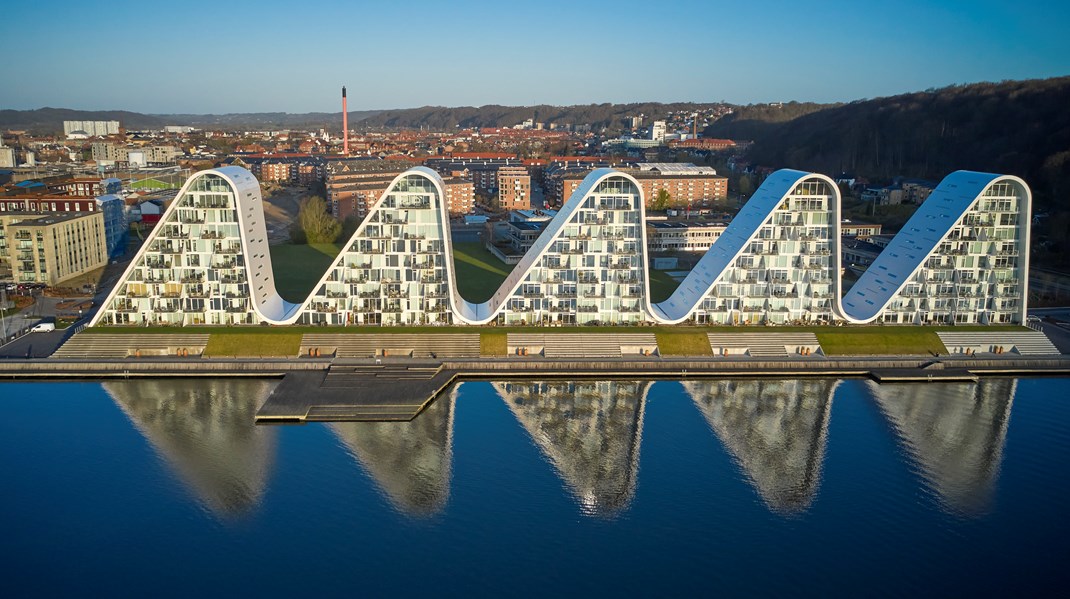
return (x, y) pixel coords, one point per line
(163, 488)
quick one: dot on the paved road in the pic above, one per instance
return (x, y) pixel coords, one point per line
(34, 345)
(1059, 334)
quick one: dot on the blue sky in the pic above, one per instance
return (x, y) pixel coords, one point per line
(238, 56)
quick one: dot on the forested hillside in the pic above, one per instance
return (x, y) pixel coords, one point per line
(596, 115)
(1017, 127)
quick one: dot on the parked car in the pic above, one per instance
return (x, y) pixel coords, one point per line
(43, 327)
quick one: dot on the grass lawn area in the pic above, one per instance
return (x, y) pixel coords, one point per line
(661, 285)
(253, 344)
(479, 272)
(881, 341)
(683, 343)
(493, 344)
(298, 267)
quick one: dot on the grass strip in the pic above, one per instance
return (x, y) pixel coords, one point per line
(246, 345)
(881, 341)
(493, 344)
(686, 343)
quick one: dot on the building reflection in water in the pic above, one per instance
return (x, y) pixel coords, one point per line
(410, 462)
(589, 431)
(954, 433)
(205, 430)
(775, 430)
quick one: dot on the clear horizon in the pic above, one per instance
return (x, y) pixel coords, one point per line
(271, 57)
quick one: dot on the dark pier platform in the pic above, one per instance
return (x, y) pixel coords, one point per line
(357, 391)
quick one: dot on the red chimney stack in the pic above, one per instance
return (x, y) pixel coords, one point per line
(345, 124)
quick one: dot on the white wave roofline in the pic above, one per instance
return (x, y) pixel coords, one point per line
(208, 261)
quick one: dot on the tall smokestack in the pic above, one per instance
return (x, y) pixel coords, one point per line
(345, 124)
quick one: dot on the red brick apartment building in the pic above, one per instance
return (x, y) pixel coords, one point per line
(354, 186)
(686, 188)
(514, 189)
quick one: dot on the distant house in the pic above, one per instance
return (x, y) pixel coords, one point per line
(147, 211)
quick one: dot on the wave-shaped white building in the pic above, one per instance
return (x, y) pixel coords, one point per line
(962, 258)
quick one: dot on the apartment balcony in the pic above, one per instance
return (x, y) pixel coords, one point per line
(212, 235)
(232, 280)
(337, 295)
(170, 250)
(210, 205)
(232, 249)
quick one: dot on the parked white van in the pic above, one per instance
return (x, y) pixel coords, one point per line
(43, 327)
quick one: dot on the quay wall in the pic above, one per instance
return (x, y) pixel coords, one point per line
(515, 367)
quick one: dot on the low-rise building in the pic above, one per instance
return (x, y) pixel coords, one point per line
(849, 229)
(858, 252)
(682, 236)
